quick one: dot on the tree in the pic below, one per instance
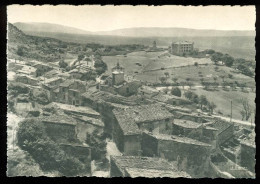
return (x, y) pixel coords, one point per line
(176, 92)
(223, 78)
(216, 57)
(211, 106)
(162, 79)
(215, 79)
(80, 57)
(63, 64)
(20, 51)
(182, 84)
(196, 64)
(202, 80)
(203, 101)
(166, 74)
(246, 109)
(188, 95)
(230, 76)
(228, 60)
(175, 79)
(190, 84)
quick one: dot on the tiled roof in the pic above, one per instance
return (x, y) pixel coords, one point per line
(174, 138)
(220, 125)
(127, 124)
(79, 109)
(183, 42)
(59, 119)
(154, 173)
(186, 123)
(67, 83)
(143, 163)
(164, 97)
(147, 113)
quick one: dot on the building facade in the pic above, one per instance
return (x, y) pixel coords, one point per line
(181, 48)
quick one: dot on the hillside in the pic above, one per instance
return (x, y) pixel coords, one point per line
(47, 27)
(174, 32)
(237, 46)
(133, 32)
(22, 46)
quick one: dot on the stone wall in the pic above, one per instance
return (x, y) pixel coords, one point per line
(59, 131)
(225, 134)
(132, 145)
(149, 145)
(247, 157)
(114, 170)
(193, 158)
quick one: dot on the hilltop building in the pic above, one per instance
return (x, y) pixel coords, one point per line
(181, 48)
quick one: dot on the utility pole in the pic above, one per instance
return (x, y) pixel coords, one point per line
(231, 113)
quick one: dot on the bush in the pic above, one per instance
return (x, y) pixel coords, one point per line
(63, 64)
(32, 137)
(20, 51)
(176, 92)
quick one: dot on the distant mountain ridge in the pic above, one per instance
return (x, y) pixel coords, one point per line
(132, 32)
(47, 27)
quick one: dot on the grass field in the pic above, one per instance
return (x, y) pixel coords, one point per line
(222, 99)
(179, 67)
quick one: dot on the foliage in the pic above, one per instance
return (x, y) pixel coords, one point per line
(80, 57)
(176, 92)
(211, 106)
(20, 51)
(245, 70)
(91, 75)
(32, 137)
(246, 109)
(163, 79)
(192, 96)
(203, 101)
(228, 60)
(196, 64)
(63, 64)
(166, 74)
(98, 145)
(100, 66)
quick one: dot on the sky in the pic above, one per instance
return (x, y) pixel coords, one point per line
(106, 18)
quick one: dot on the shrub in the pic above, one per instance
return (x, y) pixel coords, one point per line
(32, 137)
(176, 92)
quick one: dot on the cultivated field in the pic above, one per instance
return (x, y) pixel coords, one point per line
(222, 99)
(146, 66)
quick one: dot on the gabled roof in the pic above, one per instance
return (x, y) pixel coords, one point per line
(126, 123)
(142, 162)
(146, 113)
(187, 124)
(58, 119)
(179, 139)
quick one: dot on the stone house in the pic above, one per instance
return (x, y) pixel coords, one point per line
(41, 68)
(70, 91)
(126, 134)
(183, 47)
(27, 70)
(191, 155)
(80, 151)
(60, 127)
(147, 91)
(129, 122)
(26, 80)
(51, 87)
(171, 99)
(135, 166)
(225, 130)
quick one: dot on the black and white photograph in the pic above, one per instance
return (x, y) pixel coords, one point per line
(131, 91)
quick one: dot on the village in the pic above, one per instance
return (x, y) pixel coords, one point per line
(118, 126)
